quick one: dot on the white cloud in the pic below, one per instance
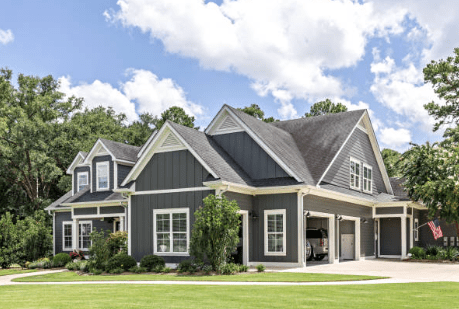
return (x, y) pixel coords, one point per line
(6, 36)
(397, 139)
(284, 47)
(144, 92)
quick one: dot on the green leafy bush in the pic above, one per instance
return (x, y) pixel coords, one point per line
(187, 266)
(95, 271)
(121, 260)
(243, 268)
(41, 263)
(117, 270)
(207, 269)
(151, 262)
(450, 253)
(229, 269)
(61, 259)
(72, 266)
(433, 250)
(261, 268)
(99, 251)
(417, 253)
(117, 242)
(166, 270)
(138, 269)
(83, 266)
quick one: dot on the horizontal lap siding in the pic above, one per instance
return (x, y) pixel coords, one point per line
(249, 155)
(425, 234)
(329, 206)
(289, 202)
(142, 218)
(171, 170)
(359, 147)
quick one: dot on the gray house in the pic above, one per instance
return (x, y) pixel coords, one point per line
(322, 172)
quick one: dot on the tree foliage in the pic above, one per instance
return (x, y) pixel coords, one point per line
(325, 107)
(175, 114)
(215, 231)
(391, 160)
(255, 111)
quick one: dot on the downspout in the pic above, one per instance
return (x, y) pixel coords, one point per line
(301, 226)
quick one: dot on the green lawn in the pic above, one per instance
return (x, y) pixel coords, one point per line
(252, 277)
(5, 272)
(413, 295)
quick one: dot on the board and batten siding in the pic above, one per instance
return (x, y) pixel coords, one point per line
(245, 202)
(249, 155)
(289, 202)
(67, 216)
(359, 147)
(75, 176)
(329, 206)
(171, 170)
(123, 171)
(111, 171)
(142, 218)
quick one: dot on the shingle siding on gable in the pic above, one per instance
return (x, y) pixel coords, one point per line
(250, 156)
(171, 170)
(359, 147)
(75, 177)
(93, 176)
(123, 171)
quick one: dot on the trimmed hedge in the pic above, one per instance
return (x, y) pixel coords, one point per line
(120, 260)
(61, 259)
(152, 262)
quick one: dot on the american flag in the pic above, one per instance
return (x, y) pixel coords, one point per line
(435, 227)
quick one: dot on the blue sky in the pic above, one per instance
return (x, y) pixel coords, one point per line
(145, 56)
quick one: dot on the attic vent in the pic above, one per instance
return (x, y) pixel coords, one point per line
(228, 124)
(171, 141)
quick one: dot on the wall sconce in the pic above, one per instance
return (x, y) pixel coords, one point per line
(363, 220)
(307, 214)
(338, 217)
(253, 215)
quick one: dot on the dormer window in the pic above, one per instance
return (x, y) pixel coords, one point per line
(367, 179)
(102, 176)
(355, 174)
(83, 180)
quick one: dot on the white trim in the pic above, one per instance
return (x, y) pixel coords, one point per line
(75, 162)
(362, 128)
(356, 235)
(95, 150)
(64, 223)
(115, 175)
(339, 151)
(172, 211)
(282, 212)
(78, 179)
(96, 203)
(98, 216)
(245, 236)
(80, 239)
(415, 228)
(54, 233)
(147, 143)
(129, 226)
(192, 189)
(276, 264)
(391, 256)
(235, 129)
(368, 167)
(359, 175)
(106, 163)
(124, 162)
(331, 233)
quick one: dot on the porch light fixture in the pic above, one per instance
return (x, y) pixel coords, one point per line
(338, 217)
(363, 220)
(253, 214)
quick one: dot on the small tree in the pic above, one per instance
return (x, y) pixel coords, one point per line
(10, 246)
(215, 231)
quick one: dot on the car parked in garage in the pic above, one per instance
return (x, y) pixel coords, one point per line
(316, 244)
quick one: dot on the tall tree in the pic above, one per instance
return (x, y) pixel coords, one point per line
(391, 161)
(175, 114)
(325, 107)
(255, 111)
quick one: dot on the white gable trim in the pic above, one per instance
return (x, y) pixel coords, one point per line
(139, 154)
(155, 147)
(214, 125)
(95, 151)
(228, 125)
(78, 159)
(365, 119)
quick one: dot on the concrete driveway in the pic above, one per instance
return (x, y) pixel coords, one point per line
(397, 270)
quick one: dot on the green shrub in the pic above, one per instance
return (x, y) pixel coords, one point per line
(99, 252)
(450, 253)
(151, 262)
(433, 250)
(61, 259)
(187, 266)
(261, 268)
(417, 253)
(41, 263)
(72, 266)
(138, 269)
(229, 269)
(117, 270)
(157, 269)
(95, 271)
(207, 269)
(166, 270)
(121, 260)
(83, 266)
(117, 242)
(243, 268)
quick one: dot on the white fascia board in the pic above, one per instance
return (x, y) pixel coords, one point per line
(75, 162)
(124, 162)
(147, 143)
(339, 151)
(213, 124)
(95, 204)
(377, 152)
(95, 150)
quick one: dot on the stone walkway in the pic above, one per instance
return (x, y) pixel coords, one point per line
(398, 272)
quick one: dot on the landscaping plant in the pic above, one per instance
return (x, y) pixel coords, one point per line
(120, 260)
(261, 268)
(61, 259)
(187, 266)
(215, 231)
(152, 262)
(417, 253)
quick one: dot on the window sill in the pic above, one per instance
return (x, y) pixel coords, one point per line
(172, 253)
(275, 253)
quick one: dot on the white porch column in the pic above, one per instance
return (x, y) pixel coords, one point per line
(411, 230)
(331, 240)
(122, 229)
(357, 240)
(337, 242)
(76, 234)
(403, 225)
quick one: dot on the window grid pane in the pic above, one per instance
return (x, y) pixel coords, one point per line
(84, 239)
(275, 230)
(355, 175)
(367, 180)
(67, 236)
(102, 176)
(178, 232)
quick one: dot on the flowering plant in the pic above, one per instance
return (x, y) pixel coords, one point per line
(76, 254)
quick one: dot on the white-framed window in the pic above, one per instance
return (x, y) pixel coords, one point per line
(416, 232)
(275, 234)
(84, 231)
(355, 174)
(85, 228)
(445, 241)
(171, 231)
(102, 176)
(82, 180)
(367, 178)
(67, 230)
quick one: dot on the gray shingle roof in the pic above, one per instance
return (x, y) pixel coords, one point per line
(56, 204)
(121, 151)
(397, 187)
(320, 138)
(212, 154)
